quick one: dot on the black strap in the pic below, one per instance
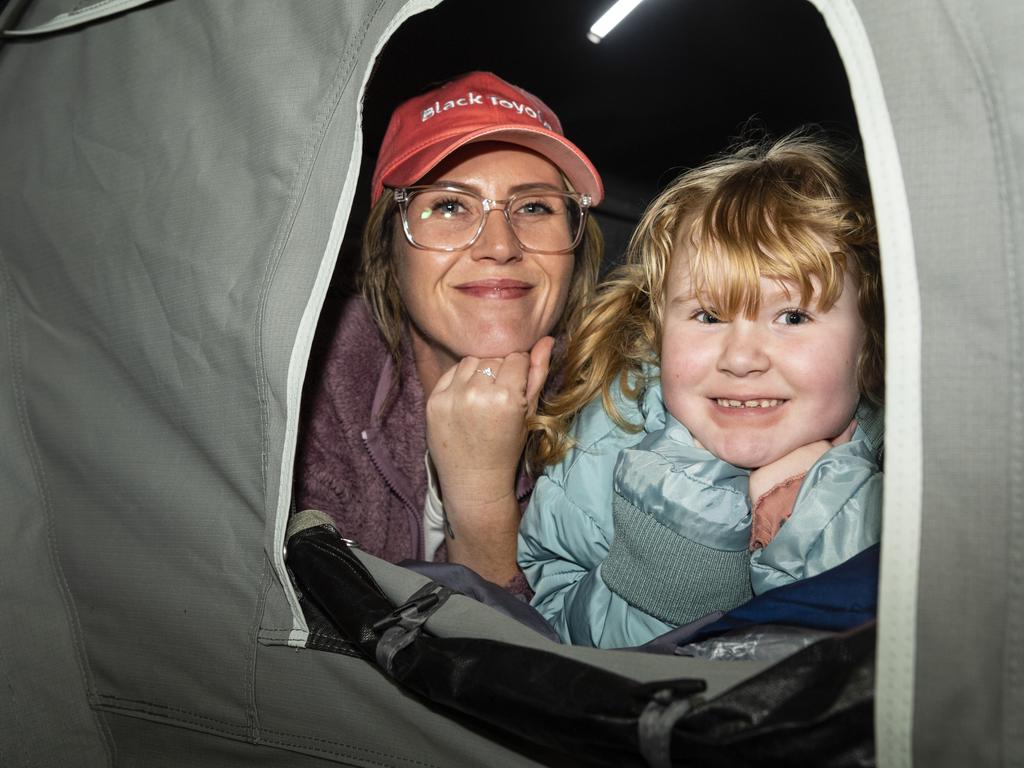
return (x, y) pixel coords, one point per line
(656, 723)
(406, 622)
(813, 708)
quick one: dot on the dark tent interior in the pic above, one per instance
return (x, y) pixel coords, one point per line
(674, 83)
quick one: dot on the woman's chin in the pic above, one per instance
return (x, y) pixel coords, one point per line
(502, 344)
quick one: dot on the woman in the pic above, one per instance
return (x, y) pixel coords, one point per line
(459, 304)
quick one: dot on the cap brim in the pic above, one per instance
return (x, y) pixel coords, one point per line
(559, 150)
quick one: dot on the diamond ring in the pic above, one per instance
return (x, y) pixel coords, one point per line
(487, 372)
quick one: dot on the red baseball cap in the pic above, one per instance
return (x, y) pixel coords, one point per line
(476, 106)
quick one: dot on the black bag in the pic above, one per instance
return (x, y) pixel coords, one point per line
(814, 708)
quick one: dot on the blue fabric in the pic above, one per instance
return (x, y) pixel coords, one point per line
(838, 599)
(594, 580)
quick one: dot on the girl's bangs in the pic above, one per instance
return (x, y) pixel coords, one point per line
(752, 232)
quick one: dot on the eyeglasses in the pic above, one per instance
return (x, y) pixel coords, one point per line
(442, 218)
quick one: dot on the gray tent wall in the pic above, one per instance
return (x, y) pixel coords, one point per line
(951, 661)
(174, 182)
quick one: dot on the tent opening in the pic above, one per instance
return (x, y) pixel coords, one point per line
(672, 85)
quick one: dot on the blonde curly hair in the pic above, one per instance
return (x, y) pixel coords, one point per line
(796, 210)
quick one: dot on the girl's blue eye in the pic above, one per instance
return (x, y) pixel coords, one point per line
(794, 317)
(703, 316)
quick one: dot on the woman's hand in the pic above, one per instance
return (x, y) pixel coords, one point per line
(793, 464)
(476, 432)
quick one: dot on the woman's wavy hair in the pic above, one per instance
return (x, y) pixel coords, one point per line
(797, 210)
(378, 282)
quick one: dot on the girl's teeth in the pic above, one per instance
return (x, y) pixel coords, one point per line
(747, 403)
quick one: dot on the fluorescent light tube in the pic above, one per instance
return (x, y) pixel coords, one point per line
(600, 28)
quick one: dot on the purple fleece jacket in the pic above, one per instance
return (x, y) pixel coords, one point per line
(361, 446)
(362, 440)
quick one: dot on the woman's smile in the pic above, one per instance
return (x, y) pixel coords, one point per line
(495, 289)
(492, 297)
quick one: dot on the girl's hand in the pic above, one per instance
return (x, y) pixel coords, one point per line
(476, 432)
(793, 464)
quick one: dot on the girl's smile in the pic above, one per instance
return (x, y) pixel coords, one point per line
(761, 404)
(753, 389)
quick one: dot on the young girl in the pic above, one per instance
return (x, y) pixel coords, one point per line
(736, 443)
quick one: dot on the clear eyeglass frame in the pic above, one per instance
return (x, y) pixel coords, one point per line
(404, 194)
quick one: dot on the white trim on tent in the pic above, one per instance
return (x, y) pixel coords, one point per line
(901, 527)
(79, 17)
(307, 327)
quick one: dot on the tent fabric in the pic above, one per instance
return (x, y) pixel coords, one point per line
(175, 180)
(871, 87)
(952, 78)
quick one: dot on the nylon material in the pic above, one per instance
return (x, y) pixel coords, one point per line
(567, 540)
(585, 712)
(296, 739)
(41, 621)
(848, 466)
(607, 620)
(965, 545)
(463, 617)
(94, 425)
(565, 549)
(145, 411)
(587, 612)
(602, 619)
(298, 354)
(902, 489)
(576, 543)
(697, 495)
(561, 549)
(80, 16)
(983, 428)
(995, 31)
(38, 12)
(650, 403)
(563, 556)
(183, 271)
(649, 411)
(296, 376)
(74, 295)
(818, 535)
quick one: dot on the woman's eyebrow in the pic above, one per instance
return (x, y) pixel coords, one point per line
(535, 185)
(512, 190)
(456, 184)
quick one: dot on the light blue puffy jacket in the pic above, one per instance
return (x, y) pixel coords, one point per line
(633, 534)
